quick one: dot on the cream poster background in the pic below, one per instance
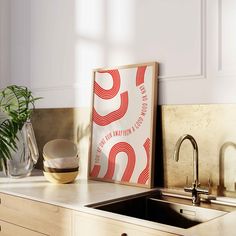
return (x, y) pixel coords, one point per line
(123, 117)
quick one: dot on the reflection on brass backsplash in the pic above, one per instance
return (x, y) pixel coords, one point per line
(213, 127)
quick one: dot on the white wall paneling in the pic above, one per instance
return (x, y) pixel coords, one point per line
(222, 50)
(4, 43)
(227, 38)
(56, 44)
(52, 52)
(113, 33)
(219, 42)
(20, 42)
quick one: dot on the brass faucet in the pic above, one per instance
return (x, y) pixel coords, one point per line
(195, 188)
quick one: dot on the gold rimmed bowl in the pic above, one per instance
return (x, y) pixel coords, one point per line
(61, 177)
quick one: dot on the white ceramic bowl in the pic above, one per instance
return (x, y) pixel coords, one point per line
(45, 157)
(62, 163)
(60, 148)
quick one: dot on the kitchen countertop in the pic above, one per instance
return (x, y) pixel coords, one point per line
(77, 195)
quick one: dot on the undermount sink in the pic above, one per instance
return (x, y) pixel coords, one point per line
(155, 209)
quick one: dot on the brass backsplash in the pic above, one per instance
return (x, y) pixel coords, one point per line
(68, 123)
(213, 126)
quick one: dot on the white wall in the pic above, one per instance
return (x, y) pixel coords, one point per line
(4, 42)
(20, 42)
(55, 44)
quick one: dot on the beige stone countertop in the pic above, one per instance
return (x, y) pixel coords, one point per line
(72, 196)
(77, 195)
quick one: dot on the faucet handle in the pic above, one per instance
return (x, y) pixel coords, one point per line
(202, 191)
(196, 190)
(188, 189)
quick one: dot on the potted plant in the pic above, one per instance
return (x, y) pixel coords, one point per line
(18, 148)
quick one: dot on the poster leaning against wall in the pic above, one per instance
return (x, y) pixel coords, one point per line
(123, 124)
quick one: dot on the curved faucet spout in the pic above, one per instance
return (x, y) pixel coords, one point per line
(194, 189)
(195, 155)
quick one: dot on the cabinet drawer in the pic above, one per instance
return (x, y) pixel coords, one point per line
(41, 217)
(7, 229)
(91, 225)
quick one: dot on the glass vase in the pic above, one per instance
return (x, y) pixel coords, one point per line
(26, 155)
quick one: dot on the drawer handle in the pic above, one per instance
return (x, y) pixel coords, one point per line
(124, 234)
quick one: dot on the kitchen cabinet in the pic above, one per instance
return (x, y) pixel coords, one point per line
(8, 229)
(31, 217)
(90, 225)
(26, 209)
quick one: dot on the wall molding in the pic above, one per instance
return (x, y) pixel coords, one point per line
(62, 87)
(70, 96)
(221, 72)
(219, 36)
(202, 74)
(54, 88)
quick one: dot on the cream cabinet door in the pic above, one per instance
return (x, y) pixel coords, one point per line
(41, 217)
(91, 225)
(7, 229)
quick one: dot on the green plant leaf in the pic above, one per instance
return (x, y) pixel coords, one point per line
(16, 102)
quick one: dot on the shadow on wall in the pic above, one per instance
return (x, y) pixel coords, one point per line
(51, 124)
(74, 124)
(82, 132)
(158, 165)
(56, 123)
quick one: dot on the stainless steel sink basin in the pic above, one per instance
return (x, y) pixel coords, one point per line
(179, 215)
(153, 208)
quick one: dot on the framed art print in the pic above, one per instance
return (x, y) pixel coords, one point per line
(123, 124)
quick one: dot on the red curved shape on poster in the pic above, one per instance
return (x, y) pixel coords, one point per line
(114, 115)
(140, 75)
(108, 93)
(121, 147)
(144, 176)
(95, 171)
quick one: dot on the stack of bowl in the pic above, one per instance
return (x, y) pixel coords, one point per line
(61, 162)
